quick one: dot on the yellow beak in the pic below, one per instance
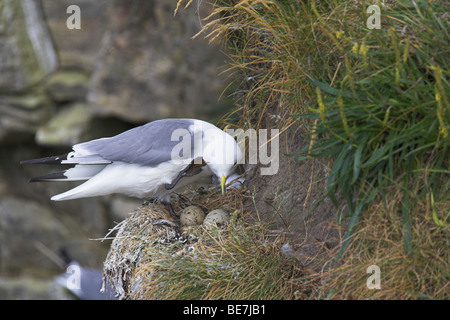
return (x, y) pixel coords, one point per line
(222, 183)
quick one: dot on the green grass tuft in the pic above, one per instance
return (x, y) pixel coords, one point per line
(376, 102)
(238, 262)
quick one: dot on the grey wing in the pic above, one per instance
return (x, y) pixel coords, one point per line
(147, 145)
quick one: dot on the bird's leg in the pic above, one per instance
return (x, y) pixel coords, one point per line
(169, 186)
(187, 200)
(171, 211)
(191, 170)
(175, 225)
(183, 198)
(176, 219)
(169, 208)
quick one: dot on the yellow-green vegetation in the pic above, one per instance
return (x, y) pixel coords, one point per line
(421, 274)
(236, 262)
(377, 105)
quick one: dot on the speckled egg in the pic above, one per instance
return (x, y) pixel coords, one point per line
(217, 217)
(192, 216)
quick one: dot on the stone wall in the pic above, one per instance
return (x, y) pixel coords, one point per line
(131, 62)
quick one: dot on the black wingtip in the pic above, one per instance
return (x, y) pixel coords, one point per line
(55, 176)
(48, 160)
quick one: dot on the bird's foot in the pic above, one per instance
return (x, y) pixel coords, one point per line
(175, 224)
(165, 222)
(183, 198)
(171, 211)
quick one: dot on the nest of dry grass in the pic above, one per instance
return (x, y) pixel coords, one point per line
(151, 259)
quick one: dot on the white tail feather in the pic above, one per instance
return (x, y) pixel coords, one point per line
(83, 172)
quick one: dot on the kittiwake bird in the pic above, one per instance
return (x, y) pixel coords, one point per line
(148, 162)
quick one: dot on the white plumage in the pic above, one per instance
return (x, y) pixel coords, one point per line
(150, 161)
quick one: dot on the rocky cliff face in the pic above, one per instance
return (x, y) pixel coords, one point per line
(131, 62)
(148, 55)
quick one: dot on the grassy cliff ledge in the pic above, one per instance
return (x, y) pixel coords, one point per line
(366, 111)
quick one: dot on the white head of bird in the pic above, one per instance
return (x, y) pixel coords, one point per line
(222, 153)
